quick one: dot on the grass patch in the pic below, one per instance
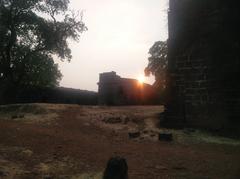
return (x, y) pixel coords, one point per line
(29, 113)
(199, 136)
(209, 138)
(16, 109)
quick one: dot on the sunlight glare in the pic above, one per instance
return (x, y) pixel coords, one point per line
(141, 79)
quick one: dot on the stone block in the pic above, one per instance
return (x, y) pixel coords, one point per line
(165, 136)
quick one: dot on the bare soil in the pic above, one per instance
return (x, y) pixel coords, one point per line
(71, 141)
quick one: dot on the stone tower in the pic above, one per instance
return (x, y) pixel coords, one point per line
(204, 64)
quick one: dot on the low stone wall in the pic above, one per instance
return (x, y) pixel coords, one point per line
(50, 95)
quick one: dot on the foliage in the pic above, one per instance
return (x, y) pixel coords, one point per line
(157, 63)
(31, 33)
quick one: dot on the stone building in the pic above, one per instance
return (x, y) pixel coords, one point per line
(114, 90)
(204, 64)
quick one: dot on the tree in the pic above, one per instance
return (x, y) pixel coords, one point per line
(31, 33)
(157, 63)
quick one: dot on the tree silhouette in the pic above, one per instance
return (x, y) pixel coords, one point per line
(157, 63)
(31, 33)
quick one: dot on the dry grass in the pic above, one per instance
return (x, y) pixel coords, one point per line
(31, 113)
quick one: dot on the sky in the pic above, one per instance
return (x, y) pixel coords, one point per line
(120, 33)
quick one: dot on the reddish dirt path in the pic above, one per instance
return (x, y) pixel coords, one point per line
(72, 146)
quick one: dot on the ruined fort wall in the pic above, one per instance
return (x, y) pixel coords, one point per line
(114, 90)
(108, 88)
(203, 65)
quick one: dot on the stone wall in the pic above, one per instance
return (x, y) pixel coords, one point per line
(204, 65)
(114, 90)
(109, 88)
(50, 95)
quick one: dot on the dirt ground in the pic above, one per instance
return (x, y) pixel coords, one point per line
(48, 141)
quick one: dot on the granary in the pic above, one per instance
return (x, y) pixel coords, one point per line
(114, 90)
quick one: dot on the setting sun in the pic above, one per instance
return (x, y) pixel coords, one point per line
(141, 79)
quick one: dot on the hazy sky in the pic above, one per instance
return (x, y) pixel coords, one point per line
(120, 33)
